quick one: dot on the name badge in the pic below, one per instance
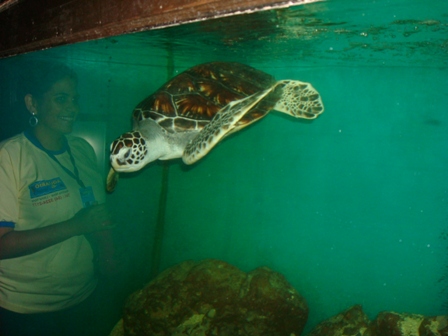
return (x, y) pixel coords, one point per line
(87, 197)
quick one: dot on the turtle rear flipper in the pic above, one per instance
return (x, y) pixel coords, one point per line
(298, 99)
(221, 125)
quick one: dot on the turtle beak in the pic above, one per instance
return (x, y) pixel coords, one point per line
(127, 153)
(119, 154)
(122, 157)
(121, 161)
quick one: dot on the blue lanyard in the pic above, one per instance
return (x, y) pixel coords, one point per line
(75, 173)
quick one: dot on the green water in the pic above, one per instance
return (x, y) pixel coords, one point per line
(352, 207)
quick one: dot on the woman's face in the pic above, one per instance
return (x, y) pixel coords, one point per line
(58, 108)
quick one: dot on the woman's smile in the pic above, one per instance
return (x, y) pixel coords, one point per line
(56, 112)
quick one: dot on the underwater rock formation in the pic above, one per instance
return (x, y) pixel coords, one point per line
(391, 323)
(211, 297)
(354, 322)
(351, 322)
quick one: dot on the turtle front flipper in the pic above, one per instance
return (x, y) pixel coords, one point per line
(298, 99)
(112, 180)
(221, 125)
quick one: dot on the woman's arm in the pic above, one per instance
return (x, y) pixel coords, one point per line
(19, 243)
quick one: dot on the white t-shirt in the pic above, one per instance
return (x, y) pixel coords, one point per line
(35, 191)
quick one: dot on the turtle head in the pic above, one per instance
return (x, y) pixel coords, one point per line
(129, 152)
(134, 150)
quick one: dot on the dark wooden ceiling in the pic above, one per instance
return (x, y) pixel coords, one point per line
(29, 25)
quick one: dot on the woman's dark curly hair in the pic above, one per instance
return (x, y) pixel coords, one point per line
(43, 75)
(24, 77)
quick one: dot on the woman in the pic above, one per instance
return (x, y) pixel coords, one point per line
(51, 210)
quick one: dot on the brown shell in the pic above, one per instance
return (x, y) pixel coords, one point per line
(191, 99)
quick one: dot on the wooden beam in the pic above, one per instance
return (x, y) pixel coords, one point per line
(34, 25)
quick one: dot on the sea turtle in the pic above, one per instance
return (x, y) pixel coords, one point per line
(195, 110)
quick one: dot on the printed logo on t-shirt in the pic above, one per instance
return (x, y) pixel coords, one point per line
(45, 187)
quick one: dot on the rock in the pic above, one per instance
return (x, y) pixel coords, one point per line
(391, 323)
(211, 297)
(351, 322)
(354, 322)
(118, 329)
(436, 325)
(396, 324)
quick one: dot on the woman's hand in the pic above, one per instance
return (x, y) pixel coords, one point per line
(18, 243)
(92, 219)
